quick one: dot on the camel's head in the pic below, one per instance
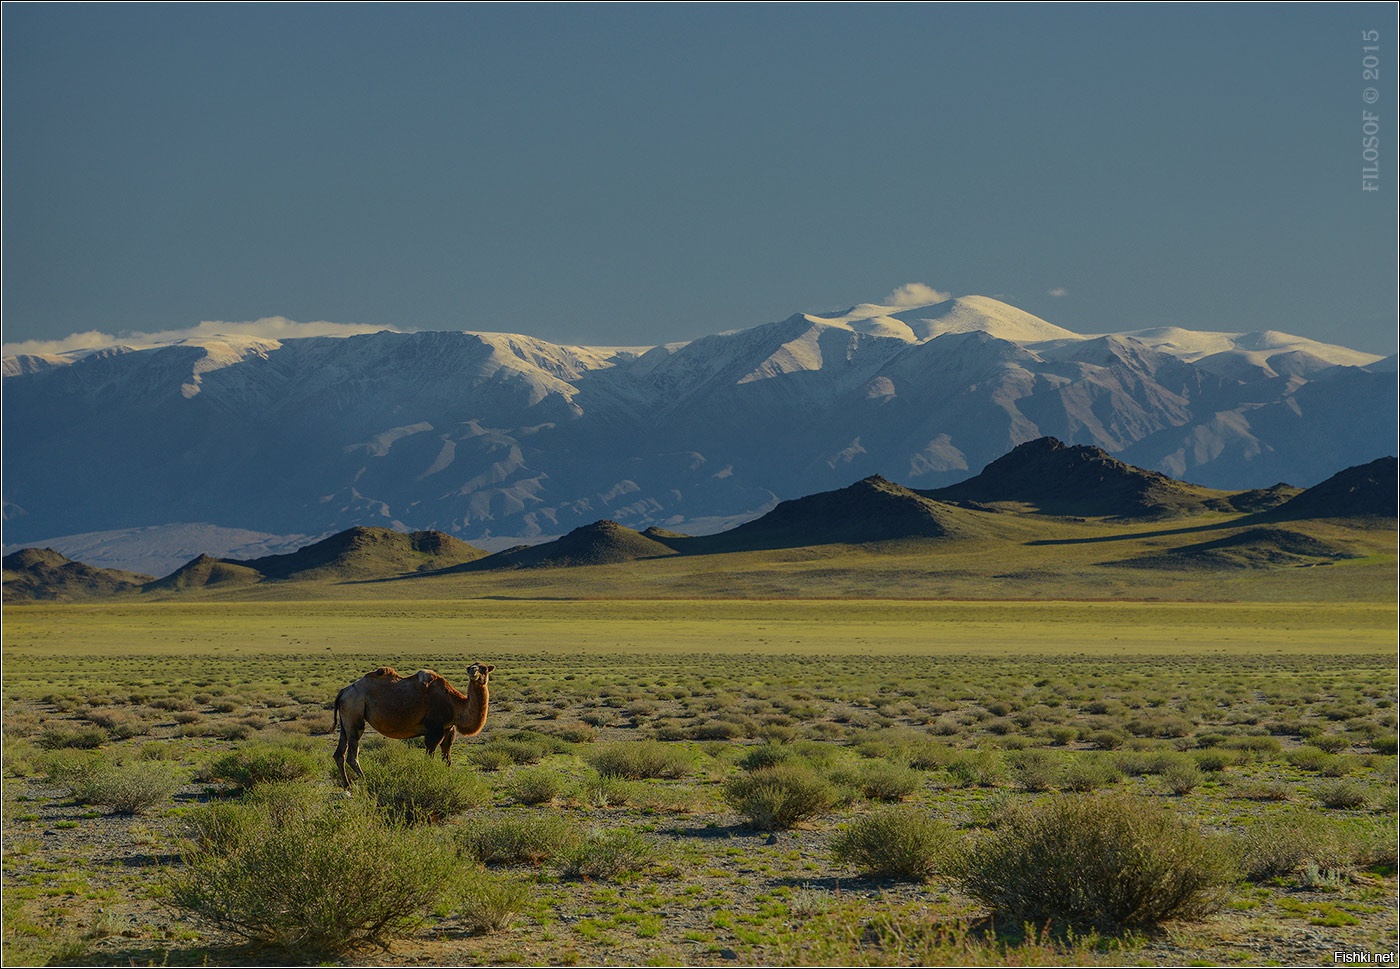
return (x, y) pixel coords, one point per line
(480, 673)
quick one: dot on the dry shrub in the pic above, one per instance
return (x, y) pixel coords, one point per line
(1097, 862)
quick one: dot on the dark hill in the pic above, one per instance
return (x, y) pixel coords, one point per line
(1254, 548)
(1079, 480)
(366, 553)
(1364, 491)
(601, 543)
(206, 571)
(42, 574)
(1255, 500)
(871, 510)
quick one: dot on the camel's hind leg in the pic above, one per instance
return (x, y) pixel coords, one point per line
(348, 751)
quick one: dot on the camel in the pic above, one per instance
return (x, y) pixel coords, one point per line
(422, 705)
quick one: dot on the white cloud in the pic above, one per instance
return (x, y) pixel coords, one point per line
(1058, 291)
(268, 328)
(915, 294)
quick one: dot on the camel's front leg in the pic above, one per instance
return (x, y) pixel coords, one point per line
(349, 739)
(447, 736)
(432, 736)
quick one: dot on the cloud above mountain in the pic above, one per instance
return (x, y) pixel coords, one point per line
(915, 294)
(267, 328)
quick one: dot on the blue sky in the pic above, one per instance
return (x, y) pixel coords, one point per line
(633, 174)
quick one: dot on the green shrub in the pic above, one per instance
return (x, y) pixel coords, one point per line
(776, 798)
(1342, 794)
(881, 780)
(898, 842)
(980, 769)
(490, 902)
(1284, 843)
(532, 839)
(1035, 770)
(304, 876)
(1181, 776)
(417, 789)
(607, 855)
(131, 788)
(262, 763)
(63, 736)
(1088, 774)
(767, 755)
(1096, 862)
(536, 786)
(637, 759)
(506, 752)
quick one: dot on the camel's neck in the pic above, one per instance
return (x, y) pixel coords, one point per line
(471, 712)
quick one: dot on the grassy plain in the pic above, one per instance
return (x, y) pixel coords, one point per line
(960, 702)
(1256, 704)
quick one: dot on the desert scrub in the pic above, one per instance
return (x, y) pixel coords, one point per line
(1284, 843)
(129, 788)
(780, 797)
(489, 902)
(1097, 863)
(607, 855)
(417, 789)
(82, 737)
(262, 763)
(898, 842)
(304, 874)
(1342, 794)
(530, 839)
(538, 785)
(881, 780)
(638, 759)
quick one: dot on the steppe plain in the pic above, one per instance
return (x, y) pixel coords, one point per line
(964, 682)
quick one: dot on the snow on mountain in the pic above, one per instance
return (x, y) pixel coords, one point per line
(497, 437)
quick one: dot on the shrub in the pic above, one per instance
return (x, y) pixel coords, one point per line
(417, 789)
(1181, 776)
(1285, 843)
(80, 737)
(982, 769)
(634, 760)
(532, 839)
(779, 797)
(1035, 770)
(262, 763)
(308, 876)
(1083, 774)
(1095, 862)
(767, 755)
(537, 786)
(899, 842)
(132, 788)
(489, 902)
(1342, 794)
(884, 781)
(606, 854)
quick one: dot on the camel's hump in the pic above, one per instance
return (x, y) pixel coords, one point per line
(384, 671)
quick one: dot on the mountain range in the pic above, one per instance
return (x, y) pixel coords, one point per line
(497, 439)
(988, 510)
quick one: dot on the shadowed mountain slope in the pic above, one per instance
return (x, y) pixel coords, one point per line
(1254, 548)
(203, 572)
(1060, 479)
(871, 510)
(41, 573)
(366, 553)
(601, 543)
(1367, 490)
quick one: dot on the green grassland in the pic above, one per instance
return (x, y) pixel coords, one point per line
(962, 683)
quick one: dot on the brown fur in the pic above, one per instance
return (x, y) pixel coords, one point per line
(422, 705)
